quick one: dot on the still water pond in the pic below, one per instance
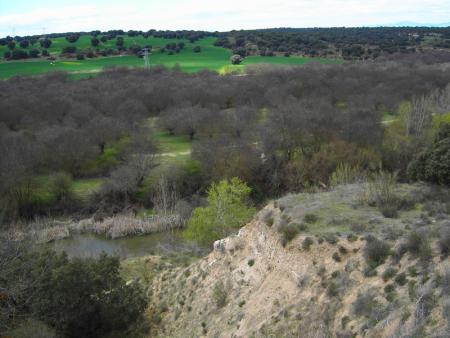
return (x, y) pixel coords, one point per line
(89, 245)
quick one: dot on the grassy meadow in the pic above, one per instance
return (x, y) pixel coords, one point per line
(211, 58)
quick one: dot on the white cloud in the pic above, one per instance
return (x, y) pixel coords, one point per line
(223, 15)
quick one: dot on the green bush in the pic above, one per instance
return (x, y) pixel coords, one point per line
(433, 165)
(251, 262)
(307, 242)
(77, 297)
(227, 210)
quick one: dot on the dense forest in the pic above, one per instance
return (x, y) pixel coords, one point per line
(279, 130)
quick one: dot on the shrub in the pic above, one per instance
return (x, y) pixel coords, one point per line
(61, 187)
(380, 189)
(220, 294)
(69, 50)
(370, 272)
(310, 218)
(366, 305)
(444, 241)
(80, 56)
(389, 288)
(418, 244)
(34, 53)
(331, 238)
(380, 192)
(343, 250)
(401, 279)
(443, 280)
(197, 49)
(446, 310)
(389, 211)
(376, 251)
(307, 242)
(288, 232)
(389, 273)
(332, 289)
(352, 237)
(251, 262)
(32, 329)
(346, 174)
(412, 271)
(236, 59)
(336, 257)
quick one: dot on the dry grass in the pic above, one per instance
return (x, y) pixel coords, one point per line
(128, 225)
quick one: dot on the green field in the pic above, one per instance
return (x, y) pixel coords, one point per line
(210, 57)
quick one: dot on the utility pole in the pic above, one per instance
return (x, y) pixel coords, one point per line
(146, 58)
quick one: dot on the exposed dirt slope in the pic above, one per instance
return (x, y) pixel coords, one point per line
(252, 286)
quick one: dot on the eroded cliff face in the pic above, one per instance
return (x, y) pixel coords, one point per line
(251, 285)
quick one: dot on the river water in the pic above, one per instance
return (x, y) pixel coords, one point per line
(90, 245)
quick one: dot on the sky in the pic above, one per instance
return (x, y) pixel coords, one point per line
(28, 17)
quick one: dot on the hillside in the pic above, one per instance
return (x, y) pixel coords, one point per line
(253, 286)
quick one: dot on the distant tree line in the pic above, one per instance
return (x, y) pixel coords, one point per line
(349, 43)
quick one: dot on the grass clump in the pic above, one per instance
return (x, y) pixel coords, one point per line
(307, 242)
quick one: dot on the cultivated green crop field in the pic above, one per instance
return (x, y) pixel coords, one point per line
(211, 58)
